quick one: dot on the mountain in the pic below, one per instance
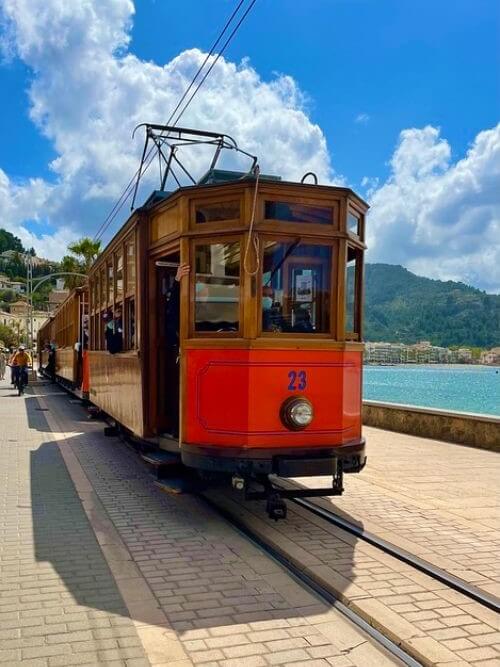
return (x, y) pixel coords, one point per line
(403, 307)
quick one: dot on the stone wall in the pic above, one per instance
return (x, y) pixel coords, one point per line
(462, 428)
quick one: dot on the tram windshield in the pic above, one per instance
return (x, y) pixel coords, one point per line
(296, 287)
(217, 287)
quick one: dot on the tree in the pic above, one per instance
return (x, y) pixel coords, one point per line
(83, 254)
(86, 251)
(10, 242)
(8, 336)
(70, 264)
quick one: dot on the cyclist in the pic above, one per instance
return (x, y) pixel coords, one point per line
(20, 362)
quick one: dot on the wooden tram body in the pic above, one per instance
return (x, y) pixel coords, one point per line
(269, 329)
(67, 331)
(237, 372)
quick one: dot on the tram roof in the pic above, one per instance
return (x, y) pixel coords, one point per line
(214, 178)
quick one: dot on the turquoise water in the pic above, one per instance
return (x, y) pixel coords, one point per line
(463, 388)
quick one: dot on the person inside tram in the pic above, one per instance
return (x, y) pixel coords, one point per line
(172, 327)
(114, 332)
(302, 319)
(51, 363)
(272, 318)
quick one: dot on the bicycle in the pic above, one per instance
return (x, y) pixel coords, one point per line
(21, 379)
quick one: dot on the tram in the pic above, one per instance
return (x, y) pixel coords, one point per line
(258, 375)
(66, 334)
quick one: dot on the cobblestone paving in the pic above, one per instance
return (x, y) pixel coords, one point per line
(59, 604)
(438, 623)
(217, 600)
(438, 500)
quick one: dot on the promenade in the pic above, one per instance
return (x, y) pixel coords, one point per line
(98, 566)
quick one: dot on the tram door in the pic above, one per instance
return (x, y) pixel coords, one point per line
(168, 347)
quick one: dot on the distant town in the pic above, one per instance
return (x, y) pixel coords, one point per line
(425, 353)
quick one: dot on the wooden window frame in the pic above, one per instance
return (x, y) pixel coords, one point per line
(305, 227)
(332, 310)
(355, 335)
(213, 240)
(216, 225)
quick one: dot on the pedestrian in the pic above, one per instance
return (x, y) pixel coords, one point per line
(51, 364)
(12, 365)
(3, 364)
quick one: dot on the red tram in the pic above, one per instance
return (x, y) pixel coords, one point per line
(264, 377)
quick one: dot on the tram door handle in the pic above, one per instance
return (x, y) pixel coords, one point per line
(253, 286)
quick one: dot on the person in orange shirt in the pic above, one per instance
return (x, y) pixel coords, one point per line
(19, 362)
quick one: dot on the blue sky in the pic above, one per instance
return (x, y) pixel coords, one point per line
(404, 64)
(400, 90)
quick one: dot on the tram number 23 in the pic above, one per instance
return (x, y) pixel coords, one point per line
(297, 380)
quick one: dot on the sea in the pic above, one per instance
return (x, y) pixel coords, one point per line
(447, 387)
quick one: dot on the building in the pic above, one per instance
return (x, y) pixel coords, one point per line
(12, 255)
(18, 321)
(491, 357)
(385, 353)
(14, 285)
(421, 353)
(57, 295)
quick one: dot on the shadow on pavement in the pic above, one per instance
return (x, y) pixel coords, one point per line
(202, 572)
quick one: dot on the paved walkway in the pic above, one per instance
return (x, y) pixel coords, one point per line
(438, 500)
(99, 567)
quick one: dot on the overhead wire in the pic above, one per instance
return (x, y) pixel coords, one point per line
(149, 157)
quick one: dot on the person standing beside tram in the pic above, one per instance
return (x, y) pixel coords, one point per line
(3, 364)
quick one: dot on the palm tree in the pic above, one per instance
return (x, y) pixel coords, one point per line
(86, 250)
(83, 254)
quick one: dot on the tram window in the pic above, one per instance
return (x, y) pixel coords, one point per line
(354, 223)
(103, 287)
(130, 267)
(296, 284)
(119, 276)
(218, 212)
(110, 283)
(296, 212)
(352, 291)
(130, 324)
(217, 287)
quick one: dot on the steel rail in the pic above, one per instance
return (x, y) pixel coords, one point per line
(309, 582)
(437, 573)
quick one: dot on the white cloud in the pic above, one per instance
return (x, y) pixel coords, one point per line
(438, 218)
(362, 118)
(89, 91)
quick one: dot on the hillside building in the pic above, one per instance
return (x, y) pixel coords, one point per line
(491, 357)
(14, 285)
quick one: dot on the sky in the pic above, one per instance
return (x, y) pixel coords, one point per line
(398, 100)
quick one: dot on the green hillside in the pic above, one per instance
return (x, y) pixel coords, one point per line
(403, 307)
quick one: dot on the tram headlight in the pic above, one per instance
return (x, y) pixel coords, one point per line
(297, 413)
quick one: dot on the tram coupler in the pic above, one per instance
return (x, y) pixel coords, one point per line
(238, 483)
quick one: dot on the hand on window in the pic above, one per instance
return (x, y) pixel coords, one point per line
(182, 271)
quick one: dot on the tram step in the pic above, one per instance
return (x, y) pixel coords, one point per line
(160, 458)
(163, 463)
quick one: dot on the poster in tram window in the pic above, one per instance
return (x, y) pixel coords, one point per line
(304, 287)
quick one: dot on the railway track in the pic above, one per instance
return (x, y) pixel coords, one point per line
(309, 582)
(470, 591)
